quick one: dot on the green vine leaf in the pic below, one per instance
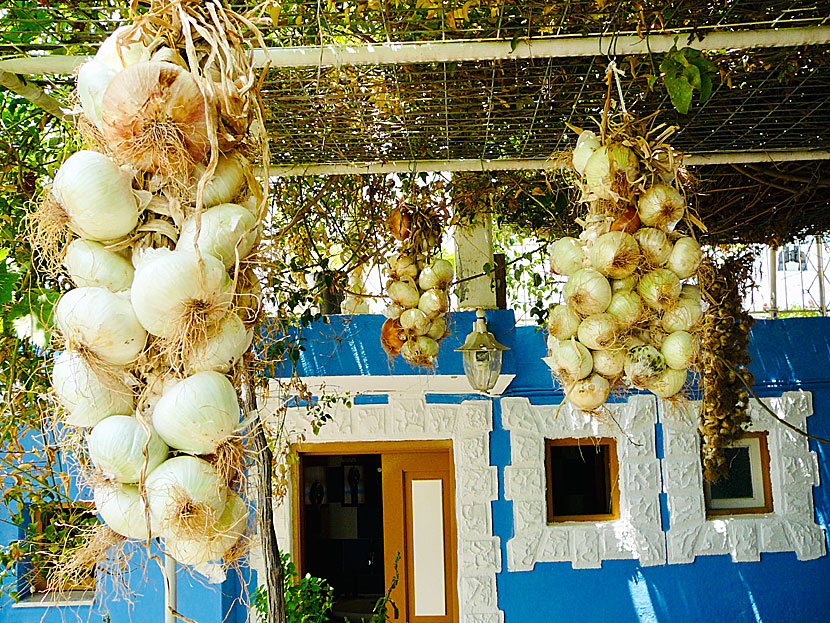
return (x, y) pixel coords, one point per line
(685, 71)
(680, 93)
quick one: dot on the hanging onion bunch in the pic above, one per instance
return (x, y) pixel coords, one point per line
(724, 355)
(165, 213)
(627, 319)
(418, 287)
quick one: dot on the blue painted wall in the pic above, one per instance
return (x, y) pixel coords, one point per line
(144, 602)
(787, 354)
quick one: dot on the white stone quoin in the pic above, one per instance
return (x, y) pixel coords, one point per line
(794, 472)
(636, 534)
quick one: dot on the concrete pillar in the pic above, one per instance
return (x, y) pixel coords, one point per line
(474, 265)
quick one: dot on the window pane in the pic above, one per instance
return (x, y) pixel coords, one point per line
(580, 480)
(738, 484)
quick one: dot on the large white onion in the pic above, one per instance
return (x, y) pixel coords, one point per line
(654, 245)
(403, 266)
(437, 328)
(573, 361)
(102, 322)
(615, 254)
(587, 292)
(153, 116)
(404, 293)
(117, 444)
(416, 321)
(562, 322)
(226, 230)
(434, 302)
(196, 414)
(668, 383)
(609, 362)
(679, 349)
(685, 257)
(226, 182)
(119, 52)
(566, 256)
(212, 546)
(598, 331)
(684, 315)
(626, 307)
(93, 79)
(90, 264)
(96, 196)
(605, 164)
(659, 289)
(87, 398)
(661, 206)
(586, 144)
(170, 283)
(122, 509)
(221, 348)
(184, 483)
(437, 275)
(589, 393)
(428, 346)
(643, 364)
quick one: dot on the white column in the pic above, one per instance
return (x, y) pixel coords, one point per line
(474, 256)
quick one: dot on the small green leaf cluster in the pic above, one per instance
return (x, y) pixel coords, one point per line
(684, 71)
(307, 600)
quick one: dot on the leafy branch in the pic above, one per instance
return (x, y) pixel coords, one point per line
(684, 71)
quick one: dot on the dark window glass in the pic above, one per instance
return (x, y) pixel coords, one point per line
(580, 480)
(738, 484)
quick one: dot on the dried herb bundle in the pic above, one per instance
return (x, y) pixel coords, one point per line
(724, 354)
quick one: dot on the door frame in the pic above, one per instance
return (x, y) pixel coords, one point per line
(379, 448)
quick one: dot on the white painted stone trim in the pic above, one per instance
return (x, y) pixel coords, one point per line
(409, 417)
(636, 534)
(793, 474)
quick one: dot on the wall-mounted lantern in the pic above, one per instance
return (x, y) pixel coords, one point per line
(482, 356)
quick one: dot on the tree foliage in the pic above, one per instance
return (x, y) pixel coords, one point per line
(34, 476)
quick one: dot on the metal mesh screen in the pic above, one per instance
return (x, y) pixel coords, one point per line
(766, 99)
(769, 99)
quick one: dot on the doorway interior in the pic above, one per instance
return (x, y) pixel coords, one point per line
(359, 506)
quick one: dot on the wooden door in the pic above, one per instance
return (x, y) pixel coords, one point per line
(418, 491)
(419, 523)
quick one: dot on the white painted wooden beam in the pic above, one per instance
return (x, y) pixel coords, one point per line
(476, 50)
(555, 47)
(550, 164)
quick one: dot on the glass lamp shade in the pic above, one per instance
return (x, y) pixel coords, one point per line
(481, 354)
(482, 368)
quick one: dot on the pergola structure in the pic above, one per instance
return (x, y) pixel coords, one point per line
(378, 87)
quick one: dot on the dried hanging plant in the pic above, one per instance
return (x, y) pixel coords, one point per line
(419, 283)
(627, 319)
(724, 356)
(180, 118)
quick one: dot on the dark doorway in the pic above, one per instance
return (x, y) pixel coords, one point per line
(342, 529)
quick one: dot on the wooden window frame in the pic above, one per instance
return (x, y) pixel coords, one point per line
(612, 474)
(766, 482)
